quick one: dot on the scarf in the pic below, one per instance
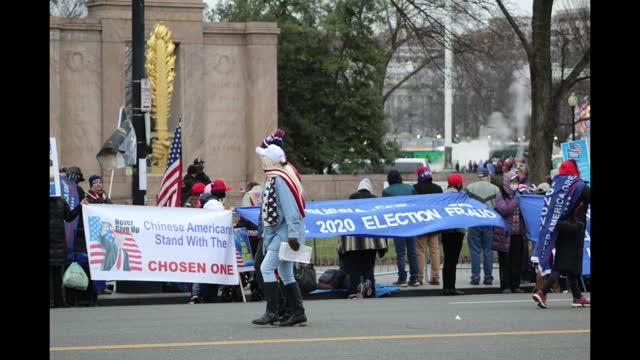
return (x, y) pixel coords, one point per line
(565, 194)
(98, 195)
(290, 175)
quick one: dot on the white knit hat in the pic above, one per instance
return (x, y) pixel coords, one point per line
(273, 152)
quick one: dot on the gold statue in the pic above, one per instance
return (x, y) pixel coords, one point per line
(160, 66)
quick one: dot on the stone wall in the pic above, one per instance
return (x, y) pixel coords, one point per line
(225, 87)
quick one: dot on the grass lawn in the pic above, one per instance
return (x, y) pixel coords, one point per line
(325, 254)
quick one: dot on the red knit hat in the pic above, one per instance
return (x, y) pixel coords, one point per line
(455, 180)
(421, 169)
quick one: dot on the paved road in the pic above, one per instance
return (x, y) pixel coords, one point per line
(489, 327)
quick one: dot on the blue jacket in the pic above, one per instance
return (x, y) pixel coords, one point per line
(290, 221)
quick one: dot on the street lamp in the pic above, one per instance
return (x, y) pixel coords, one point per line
(573, 101)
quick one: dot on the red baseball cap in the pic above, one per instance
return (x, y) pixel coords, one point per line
(197, 189)
(220, 185)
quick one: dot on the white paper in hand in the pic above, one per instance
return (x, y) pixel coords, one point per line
(303, 255)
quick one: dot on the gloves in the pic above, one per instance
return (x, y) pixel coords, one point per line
(295, 245)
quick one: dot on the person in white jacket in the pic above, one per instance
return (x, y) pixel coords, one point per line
(215, 199)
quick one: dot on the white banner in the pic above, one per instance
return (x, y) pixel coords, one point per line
(149, 243)
(54, 173)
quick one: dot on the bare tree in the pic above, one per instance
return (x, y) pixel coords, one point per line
(545, 97)
(68, 8)
(396, 35)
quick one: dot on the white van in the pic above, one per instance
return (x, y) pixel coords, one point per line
(406, 165)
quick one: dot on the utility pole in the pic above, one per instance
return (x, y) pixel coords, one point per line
(137, 63)
(137, 37)
(448, 89)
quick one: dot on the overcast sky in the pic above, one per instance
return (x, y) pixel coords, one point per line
(520, 7)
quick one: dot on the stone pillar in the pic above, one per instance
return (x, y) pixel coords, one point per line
(80, 94)
(55, 106)
(262, 96)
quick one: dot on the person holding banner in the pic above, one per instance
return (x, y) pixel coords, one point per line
(194, 200)
(452, 245)
(480, 237)
(425, 185)
(212, 200)
(282, 219)
(97, 196)
(358, 254)
(96, 191)
(570, 198)
(403, 245)
(510, 244)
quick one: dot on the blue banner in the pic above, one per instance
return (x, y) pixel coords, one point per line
(531, 207)
(70, 194)
(395, 216)
(578, 151)
(243, 246)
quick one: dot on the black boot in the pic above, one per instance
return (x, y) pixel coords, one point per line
(272, 294)
(295, 312)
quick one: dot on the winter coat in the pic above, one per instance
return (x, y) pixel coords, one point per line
(79, 244)
(187, 184)
(427, 188)
(570, 242)
(357, 243)
(508, 206)
(59, 211)
(399, 190)
(448, 232)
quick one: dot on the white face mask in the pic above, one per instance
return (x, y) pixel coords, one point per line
(514, 187)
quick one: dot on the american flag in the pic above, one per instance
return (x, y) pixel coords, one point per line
(97, 252)
(575, 149)
(171, 188)
(239, 259)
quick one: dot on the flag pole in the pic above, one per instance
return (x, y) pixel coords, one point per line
(88, 193)
(244, 299)
(110, 183)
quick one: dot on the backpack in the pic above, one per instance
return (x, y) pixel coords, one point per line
(332, 279)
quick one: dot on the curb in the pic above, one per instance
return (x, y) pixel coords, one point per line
(183, 298)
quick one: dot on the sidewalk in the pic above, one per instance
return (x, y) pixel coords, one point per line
(384, 275)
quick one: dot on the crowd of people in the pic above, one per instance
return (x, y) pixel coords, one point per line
(517, 257)
(282, 215)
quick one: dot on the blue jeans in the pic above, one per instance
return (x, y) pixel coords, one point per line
(479, 240)
(402, 245)
(269, 265)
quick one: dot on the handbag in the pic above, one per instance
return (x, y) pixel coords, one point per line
(305, 275)
(75, 277)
